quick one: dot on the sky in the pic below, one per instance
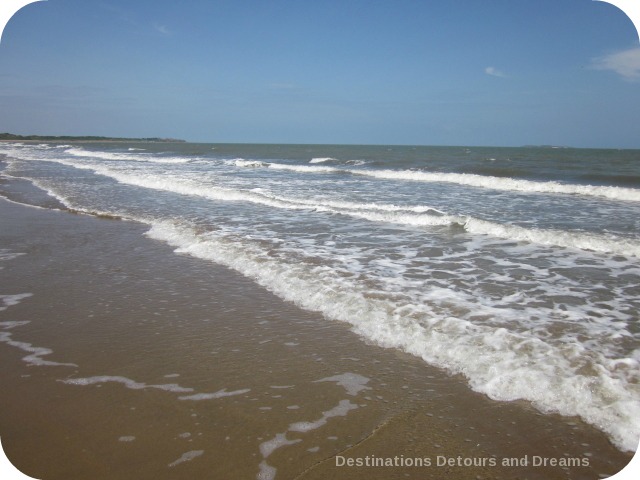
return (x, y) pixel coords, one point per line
(421, 72)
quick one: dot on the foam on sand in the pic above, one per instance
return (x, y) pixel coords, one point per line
(11, 300)
(35, 353)
(219, 394)
(268, 472)
(127, 382)
(340, 410)
(187, 457)
(353, 383)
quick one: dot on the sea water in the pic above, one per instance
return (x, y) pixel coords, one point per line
(518, 268)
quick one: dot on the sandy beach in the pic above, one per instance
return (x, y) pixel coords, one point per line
(122, 359)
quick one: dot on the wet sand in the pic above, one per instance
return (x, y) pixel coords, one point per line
(180, 369)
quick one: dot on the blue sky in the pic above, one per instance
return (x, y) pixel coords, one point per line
(463, 72)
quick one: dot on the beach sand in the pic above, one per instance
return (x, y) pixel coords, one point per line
(179, 369)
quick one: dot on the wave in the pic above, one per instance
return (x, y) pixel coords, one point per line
(417, 216)
(354, 163)
(347, 205)
(304, 168)
(322, 160)
(506, 184)
(505, 365)
(557, 238)
(548, 237)
(123, 157)
(473, 180)
(240, 162)
(466, 179)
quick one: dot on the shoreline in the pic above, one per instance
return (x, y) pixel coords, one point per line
(134, 317)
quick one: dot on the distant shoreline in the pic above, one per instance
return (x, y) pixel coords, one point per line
(90, 138)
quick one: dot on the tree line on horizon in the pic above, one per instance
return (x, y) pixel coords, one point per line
(12, 136)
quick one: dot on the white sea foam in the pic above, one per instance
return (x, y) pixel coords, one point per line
(219, 394)
(353, 383)
(127, 382)
(503, 364)
(413, 215)
(267, 472)
(285, 167)
(183, 186)
(241, 162)
(340, 410)
(35, 353)
(280, 440)
(505, 184)
(13, 324)
(11, 300)
(322, 160)
(467, 179)
(347, 206)
(417, 216)
(473, 180)
(123, 157)
(6, 255)
(303, 168)
(187, 457)
(580, 240)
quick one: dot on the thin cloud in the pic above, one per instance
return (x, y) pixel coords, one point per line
(161, 29)
(494, 72)
(625, 63)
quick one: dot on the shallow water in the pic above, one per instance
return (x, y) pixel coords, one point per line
(123, 360)
(518, 268)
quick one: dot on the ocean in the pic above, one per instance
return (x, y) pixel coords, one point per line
(516, 268)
